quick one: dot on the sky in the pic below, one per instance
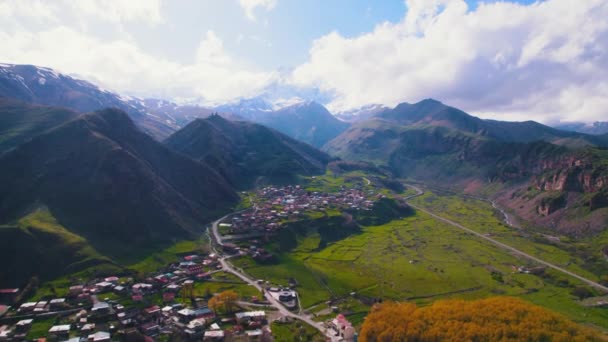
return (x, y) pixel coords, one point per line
(509, 60)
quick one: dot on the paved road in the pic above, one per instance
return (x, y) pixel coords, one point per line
(504, 246)
(227, 267)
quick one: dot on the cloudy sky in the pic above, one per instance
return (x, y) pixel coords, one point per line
(513, 60)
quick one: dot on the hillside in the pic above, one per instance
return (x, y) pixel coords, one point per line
(596, 128)
(37, 244)
(309, 122)
(434, 113)
(39, 85)
(444, 146)
(568, 194)
(362, 113)
(20, 122)
(247, 153)
(181, 115)
(102, 178)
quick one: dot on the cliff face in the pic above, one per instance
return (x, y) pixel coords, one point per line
(549, 205)
(571, 174)
(567, 192)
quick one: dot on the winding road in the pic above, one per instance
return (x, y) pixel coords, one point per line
(514, 250)
(227, 267)
(216, 238)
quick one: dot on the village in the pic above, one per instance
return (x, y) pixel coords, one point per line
(166, 304)
(273, 206)
(169, 302)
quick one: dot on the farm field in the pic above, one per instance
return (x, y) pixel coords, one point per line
(482, 217)
(223, 281)
(295, 331)
(418, 259)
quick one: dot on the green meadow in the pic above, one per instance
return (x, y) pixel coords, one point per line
(417, 259)
(482, 217)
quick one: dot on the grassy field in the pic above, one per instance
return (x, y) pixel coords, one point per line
(223, 281)
(168, 255)
(295, 331)
(482, 217)
(330, 182)
(418, 259)
(40, 327)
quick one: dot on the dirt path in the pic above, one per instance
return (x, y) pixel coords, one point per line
(503, 245)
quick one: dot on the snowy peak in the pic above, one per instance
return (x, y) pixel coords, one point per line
(361, 113)
(40, 85)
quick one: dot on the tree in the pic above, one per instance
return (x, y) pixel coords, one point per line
(225, 301)
(491, 319)
(582, 292)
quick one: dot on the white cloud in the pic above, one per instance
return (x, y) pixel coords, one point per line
(249, 6)
(148, 11)
(547, 61)
(121, 65)
(116, 11)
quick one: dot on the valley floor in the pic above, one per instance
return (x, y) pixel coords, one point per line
(450, 247)
(424, 257)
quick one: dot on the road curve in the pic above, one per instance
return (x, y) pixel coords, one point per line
(502, 245)
(227, 267)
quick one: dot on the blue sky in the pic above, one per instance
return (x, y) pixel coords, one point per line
(279, 38)
(512, 60)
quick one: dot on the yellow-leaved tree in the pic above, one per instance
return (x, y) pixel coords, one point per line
(491, 319)
(225, 301)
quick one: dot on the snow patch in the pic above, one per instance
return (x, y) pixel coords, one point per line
(50, 72)
(41, 80)
(125, 98)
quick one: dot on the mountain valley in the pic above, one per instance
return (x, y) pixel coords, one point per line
(330, 202)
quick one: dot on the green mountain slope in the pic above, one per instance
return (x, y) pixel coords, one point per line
(106, 181)
(37, 244)
(434, 113)
(20, 122)
(247, 153)
(551, 178)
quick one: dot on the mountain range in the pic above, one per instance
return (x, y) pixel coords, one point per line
(596, 128)
(72, 183)
(247, 154)
(101, 178)
(81, 166)
(442, 145)
(19, 121)
(44, 86)
(308, 121)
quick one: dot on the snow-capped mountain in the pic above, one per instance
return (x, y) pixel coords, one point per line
(46, 86)
(362, 113)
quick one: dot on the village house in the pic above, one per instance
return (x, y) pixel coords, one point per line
(26, 307)
(343, 328)
(213, 335)
(249, 316)
(150, 329)
(8, 296)
(76, 290)
(101, 309)
(100, 336)
(57, 303)
(60, 331)
(24, 325)
(104, 286)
